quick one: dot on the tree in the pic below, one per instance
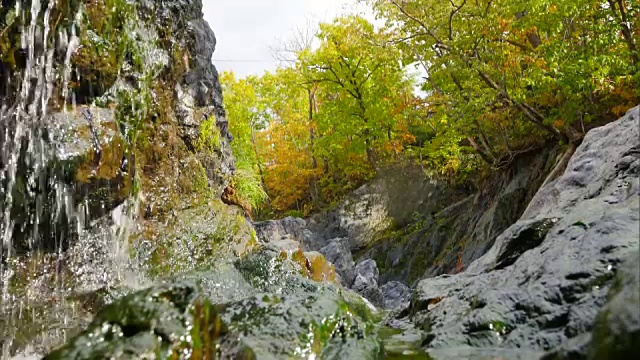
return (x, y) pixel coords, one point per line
(363, 82)
(502, 71)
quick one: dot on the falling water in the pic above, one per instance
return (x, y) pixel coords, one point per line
(29, 187)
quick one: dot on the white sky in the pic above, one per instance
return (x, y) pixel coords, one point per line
(245, 29)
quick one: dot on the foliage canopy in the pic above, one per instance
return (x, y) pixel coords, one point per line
(501, 77)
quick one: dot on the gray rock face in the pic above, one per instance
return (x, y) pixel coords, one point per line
(391, 198)
(617, 331)
(446, 236)
(543, 282)
(198, 95)
(395, 295)
(361, 216)
(366, 281)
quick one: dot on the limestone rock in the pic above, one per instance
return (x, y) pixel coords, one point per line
(395, 294)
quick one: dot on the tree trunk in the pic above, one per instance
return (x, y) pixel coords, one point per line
(479, 150)
(312, 133)
(530, 113)
(370, 155)
(255, 150)
(626, 31)
(485, 142)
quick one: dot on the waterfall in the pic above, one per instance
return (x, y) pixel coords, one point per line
(45, 228)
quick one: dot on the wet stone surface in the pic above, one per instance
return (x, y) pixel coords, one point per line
(545, 285)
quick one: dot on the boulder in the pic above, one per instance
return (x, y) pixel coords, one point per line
(358, 218)
(395, 294)
(295, 228)
(544, 280)
(259, 306)
(366, 281)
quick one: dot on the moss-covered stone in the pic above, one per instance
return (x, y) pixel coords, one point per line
(286, 316)
(193, 238)
(166, 321)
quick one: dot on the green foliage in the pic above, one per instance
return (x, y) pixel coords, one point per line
(319, 129)
(209, 139)
(506, 75)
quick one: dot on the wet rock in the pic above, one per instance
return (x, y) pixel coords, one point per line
(471, 353)
(337, 252)
(395, 294)
(548, 293)
(366, 281)
(80, 162)
(189, 239)
(299, 324)
(265, 308)
(616, 334)
(147, 323)
(91, 153)
(529, 235)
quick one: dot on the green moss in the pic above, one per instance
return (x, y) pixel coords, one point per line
(8, 39)
(342, 326)
(168, 321)
(582, 225)
(209, 139)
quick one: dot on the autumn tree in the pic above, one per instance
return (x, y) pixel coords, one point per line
(502, 73)
(326, 120)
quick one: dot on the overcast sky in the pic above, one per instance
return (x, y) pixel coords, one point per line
(245, 29)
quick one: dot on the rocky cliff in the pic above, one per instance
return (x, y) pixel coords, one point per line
(147, 119)
(414, 227)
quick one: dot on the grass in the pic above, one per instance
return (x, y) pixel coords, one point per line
(248, 186)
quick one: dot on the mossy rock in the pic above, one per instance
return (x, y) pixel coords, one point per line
(177, 318)
(193, 239)
(92, 156)
(164, 322)
(299, 325)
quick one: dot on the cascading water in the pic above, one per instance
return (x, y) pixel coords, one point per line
(43, 226)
